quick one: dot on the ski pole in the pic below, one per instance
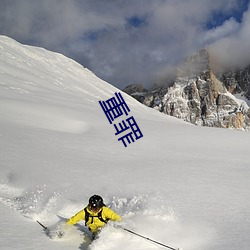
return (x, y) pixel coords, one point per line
(45, 228)
(146, 238)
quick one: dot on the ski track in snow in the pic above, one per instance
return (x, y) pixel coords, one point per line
(43, 117)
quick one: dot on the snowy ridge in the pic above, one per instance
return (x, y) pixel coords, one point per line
(182, 185)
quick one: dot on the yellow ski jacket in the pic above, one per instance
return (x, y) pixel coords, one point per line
(94, 223)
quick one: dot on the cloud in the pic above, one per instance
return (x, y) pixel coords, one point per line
(228, 28)
(121, 41)
(233, 49)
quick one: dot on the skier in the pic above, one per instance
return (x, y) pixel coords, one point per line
(95, 214)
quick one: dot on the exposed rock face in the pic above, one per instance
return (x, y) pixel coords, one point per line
(137, 91)
(237, 81)
(199, 97)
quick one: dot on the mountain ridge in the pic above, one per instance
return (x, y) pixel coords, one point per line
(201, 95)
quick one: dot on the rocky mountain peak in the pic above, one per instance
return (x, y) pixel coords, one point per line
(202, 97)
(196, 64)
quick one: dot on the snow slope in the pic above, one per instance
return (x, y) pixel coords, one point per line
(179, 184)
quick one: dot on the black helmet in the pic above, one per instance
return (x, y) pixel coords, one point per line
(96, 202)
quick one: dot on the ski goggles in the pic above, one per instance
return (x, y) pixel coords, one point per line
(94, 208)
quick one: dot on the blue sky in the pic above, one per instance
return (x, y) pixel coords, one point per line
(131, 41)
(218, 17)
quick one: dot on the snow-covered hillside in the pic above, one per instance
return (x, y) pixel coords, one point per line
(182, 185)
